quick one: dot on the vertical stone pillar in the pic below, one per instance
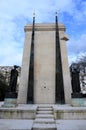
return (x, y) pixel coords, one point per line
(65, 68)
(23, 87)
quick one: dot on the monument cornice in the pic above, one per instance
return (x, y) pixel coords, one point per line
(44, 27)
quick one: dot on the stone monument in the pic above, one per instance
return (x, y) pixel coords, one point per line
(45, 76)
(11, 96)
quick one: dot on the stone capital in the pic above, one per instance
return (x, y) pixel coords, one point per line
(44, 27)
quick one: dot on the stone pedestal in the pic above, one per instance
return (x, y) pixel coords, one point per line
(78, 100)
(10, 99)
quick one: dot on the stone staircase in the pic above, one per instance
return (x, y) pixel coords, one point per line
(44, 119)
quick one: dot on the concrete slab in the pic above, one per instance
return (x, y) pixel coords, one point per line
(44, 112)
(46, 121)
(45, 106)
(44, 109)
(20, 107)
(9, 124)
(4, 127)
(45, 116)
(67, 107)
(71, 124)
(38, 126)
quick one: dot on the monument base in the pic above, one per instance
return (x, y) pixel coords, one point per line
(28, 112)
(78, 100)
(10, 99)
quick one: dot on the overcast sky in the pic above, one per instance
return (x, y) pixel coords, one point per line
(15, 14)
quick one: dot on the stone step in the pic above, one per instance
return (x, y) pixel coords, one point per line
(45, 116)
(42, 120)
(45, 106)
(44, 112)
(38, 126)
(45, 109)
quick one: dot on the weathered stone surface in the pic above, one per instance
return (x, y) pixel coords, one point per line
(78, 102)
(44, 126)
(44, 64)
(71, 124)
(70, 113)
(66, 73)
(46, 121)
(19, 112)
(15, 124)
(23, 87)
(10, 102)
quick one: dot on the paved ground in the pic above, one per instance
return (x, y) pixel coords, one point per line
(71, 124)
(8, 124)
(11, 124)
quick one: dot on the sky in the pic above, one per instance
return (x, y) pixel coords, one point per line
(15, 14)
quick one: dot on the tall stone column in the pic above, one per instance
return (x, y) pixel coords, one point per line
(23, 87)
(65, 68)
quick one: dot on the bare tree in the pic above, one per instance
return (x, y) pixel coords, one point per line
(81, 61)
